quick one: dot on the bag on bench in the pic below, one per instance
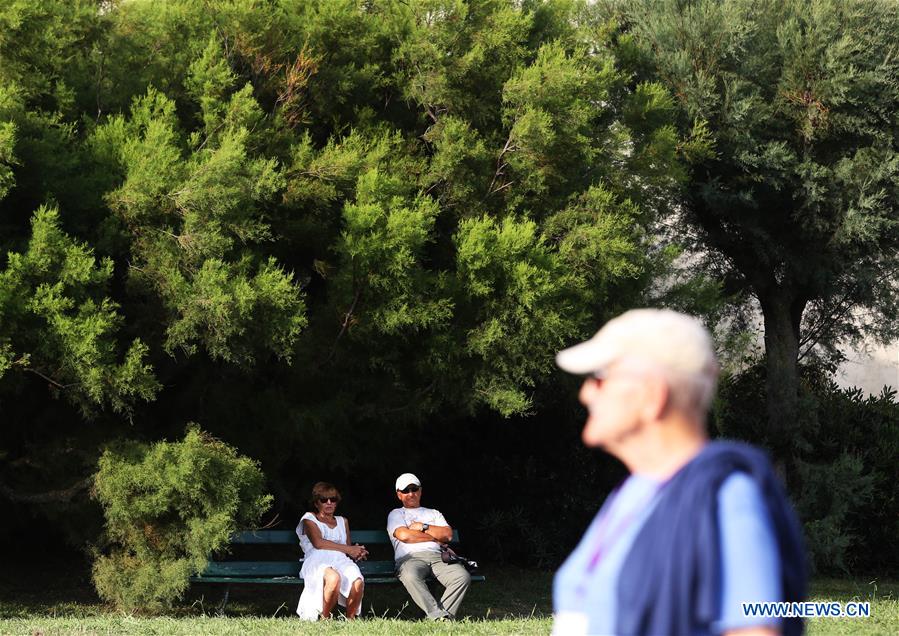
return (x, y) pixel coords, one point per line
(448, 555)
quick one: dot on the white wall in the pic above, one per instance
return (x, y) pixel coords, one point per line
(870, 367)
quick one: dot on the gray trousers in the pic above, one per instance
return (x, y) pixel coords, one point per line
(414, 571)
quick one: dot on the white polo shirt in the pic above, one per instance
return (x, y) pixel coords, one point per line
(400, 517)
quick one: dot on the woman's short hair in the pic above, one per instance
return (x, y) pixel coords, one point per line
(322, 489)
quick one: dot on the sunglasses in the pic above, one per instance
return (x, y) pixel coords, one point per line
(328, 499)
(412, 488)
(602, 375)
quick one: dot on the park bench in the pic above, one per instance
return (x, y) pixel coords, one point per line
(287, 572)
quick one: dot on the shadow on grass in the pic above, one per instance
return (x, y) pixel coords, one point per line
(64, 588)
(509, 592)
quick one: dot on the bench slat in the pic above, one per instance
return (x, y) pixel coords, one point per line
(249, 569)
(289, 537)
(377, 537)
(237, 580)
(269, 569)
(282, 537)
(283, 568)
(369, 537)
(377, 568)
(253, 568)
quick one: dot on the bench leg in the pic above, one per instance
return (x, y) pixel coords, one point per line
(221, 607)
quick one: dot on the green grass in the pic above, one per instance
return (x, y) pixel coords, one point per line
(884, 599)
(202, 626)
(512, 601)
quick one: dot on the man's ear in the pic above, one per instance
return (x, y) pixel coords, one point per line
(398, 495)
(657, 395)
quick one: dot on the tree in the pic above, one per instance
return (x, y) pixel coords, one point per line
(325, 220)
(798, 206)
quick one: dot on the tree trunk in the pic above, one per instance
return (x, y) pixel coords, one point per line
(782, 313)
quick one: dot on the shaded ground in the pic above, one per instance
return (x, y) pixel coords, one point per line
(64, 588)
(56, 598)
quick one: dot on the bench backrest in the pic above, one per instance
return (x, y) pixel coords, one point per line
(375, 571)
(289, 537)
(266, 569)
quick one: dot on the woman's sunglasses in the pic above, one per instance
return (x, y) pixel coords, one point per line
(412, 488)
(328, 499)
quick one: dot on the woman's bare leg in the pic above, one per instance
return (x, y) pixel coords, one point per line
(354, 600)
(330, 592)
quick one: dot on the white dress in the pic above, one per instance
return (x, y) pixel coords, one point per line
(317, 561)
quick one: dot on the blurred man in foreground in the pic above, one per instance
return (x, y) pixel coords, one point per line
(699, 527)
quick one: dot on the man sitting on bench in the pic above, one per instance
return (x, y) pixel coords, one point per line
(416, 534)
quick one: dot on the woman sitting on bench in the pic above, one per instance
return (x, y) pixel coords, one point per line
(329, 573)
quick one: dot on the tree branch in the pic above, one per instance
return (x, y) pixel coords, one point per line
(501, 166)
(58, 385)
(53, 496)
(838, 311)
(346, 322)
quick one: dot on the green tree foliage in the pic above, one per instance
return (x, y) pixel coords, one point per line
(429, 197)
(8, 105)
(168, 507)
(515, 291)
(319, 222)
(191, 220)
(798, 206)
(58, 323)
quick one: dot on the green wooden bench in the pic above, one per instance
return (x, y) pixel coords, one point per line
(288, 572)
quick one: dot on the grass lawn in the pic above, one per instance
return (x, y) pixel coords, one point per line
(512, 601)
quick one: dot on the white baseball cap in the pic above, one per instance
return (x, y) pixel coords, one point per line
(674, 341)
(406, 479)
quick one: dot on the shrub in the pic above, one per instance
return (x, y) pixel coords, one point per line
(867, 429)
(168, 507)
(840, 462)
(829, 497)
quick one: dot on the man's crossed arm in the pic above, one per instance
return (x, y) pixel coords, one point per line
(415, 533)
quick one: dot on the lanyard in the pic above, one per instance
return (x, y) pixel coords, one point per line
(607, 537)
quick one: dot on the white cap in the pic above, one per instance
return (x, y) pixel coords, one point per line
(672, 340)
(406, 479)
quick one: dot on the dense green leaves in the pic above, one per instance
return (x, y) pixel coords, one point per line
(185, 215)
(457, 55)
(58, 323)
(8, 104)
(382, 246)
(516, 293)
(428, 197)
(168, 507)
